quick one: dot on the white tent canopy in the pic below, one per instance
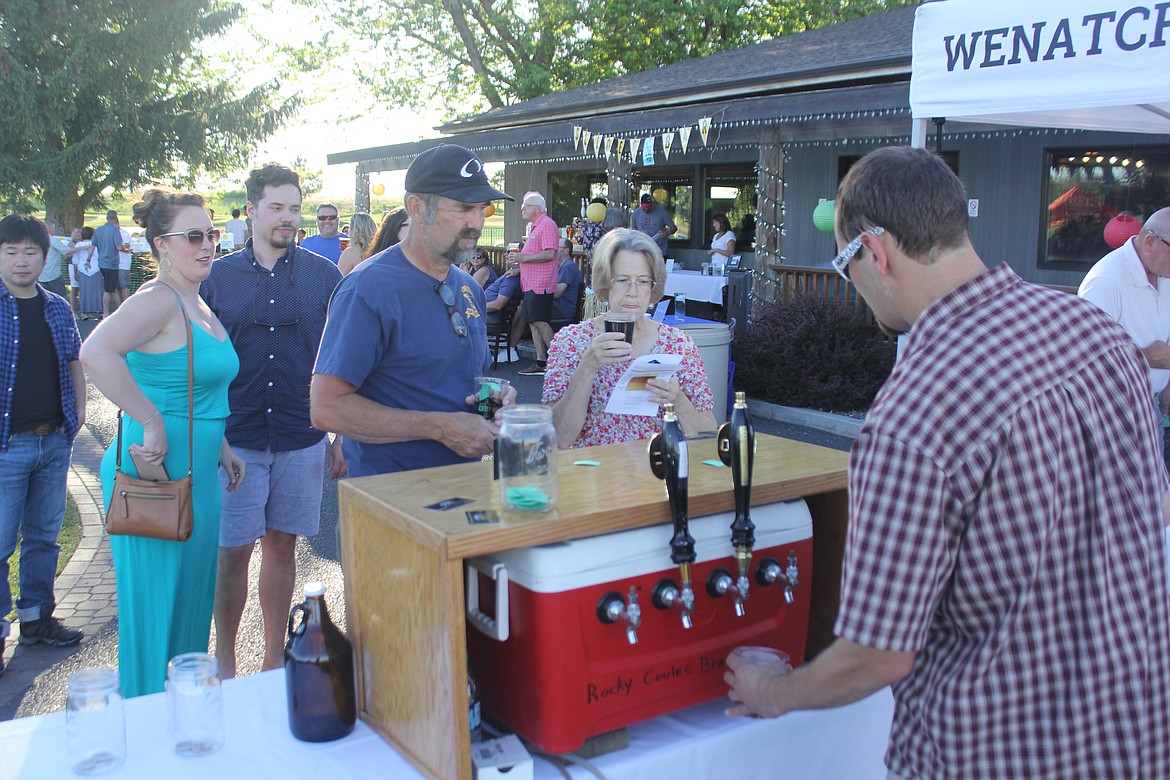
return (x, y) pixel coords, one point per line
(1089, 64)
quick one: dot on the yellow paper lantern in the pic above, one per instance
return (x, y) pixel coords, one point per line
(489, 209)
(595, 212)
(660, 195)
(379, 188)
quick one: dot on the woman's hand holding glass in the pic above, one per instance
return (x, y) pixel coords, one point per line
(606, 349)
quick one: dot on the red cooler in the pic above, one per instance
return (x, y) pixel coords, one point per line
(550, 668)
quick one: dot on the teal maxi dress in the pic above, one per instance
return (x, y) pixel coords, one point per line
(166, 590)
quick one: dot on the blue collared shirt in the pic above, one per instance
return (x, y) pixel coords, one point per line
(275, 319)
(66, 343)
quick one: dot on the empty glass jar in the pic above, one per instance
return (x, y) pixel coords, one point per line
(95, 720)
(194, 704)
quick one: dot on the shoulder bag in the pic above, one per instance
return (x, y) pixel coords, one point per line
(162, 509)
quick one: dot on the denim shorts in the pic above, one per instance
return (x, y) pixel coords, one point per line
(281, 490)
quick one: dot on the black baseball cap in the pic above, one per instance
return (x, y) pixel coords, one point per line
(646, 198)
(453, 172)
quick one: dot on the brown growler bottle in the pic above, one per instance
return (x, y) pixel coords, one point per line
(318, 672)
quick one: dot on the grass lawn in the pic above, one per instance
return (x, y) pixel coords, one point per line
(69, 538)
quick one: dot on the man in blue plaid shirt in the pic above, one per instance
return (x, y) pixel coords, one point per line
(42, 406)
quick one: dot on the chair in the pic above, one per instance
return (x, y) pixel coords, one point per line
(500, 331)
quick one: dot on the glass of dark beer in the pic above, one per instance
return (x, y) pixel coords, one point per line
(620, 322)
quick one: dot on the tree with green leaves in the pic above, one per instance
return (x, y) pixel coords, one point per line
(105, 96)
(488, 53)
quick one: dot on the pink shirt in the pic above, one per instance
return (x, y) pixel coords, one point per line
(540, 277)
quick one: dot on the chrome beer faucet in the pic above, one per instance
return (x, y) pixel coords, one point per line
(668, 461)
(737, 448)
(613, 608)
(770, 572)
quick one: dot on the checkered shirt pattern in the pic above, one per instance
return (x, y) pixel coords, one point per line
(540, 277)
(1005, 524)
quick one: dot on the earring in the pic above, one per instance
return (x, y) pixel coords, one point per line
(164, 259)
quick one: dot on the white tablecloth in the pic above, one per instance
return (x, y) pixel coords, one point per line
(694, 744)
(696, 286)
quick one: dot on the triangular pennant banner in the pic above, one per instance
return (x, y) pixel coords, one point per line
(684, 137)
(576, 136)
(608, 145)
(596, 146)
(635, 145)
(704, 128)
(621, 147)
(667, 141)
(648, 151)
(585, 136)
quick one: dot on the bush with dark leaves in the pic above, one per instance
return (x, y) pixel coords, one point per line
(813, 353)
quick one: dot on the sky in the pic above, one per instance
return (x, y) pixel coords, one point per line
(344, 117)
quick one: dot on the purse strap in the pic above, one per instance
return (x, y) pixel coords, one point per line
(190, 391)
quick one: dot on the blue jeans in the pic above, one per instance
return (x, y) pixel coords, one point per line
(34, 473)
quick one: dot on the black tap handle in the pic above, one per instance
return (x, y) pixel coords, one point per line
(675, 461)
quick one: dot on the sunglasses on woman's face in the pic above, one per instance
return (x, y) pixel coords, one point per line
(196, 237)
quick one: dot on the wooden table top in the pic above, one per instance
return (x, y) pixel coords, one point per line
(619, 494)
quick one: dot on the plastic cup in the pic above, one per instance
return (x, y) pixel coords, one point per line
(764, 656)
(680, 306)
(489, 395)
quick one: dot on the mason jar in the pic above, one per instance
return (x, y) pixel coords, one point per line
(95, 722)
(194, 704)
(527, 458)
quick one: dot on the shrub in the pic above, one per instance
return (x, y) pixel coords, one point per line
(813, 353)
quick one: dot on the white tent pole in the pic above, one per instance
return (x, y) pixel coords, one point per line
(918, 130)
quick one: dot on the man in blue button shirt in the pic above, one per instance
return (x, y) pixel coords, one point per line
(272, 297)
(40, 413)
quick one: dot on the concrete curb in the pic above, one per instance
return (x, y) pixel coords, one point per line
(85, 589)
(836, 424)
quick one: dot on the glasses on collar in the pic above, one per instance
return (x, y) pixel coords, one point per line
(458, 324)
(846, 255)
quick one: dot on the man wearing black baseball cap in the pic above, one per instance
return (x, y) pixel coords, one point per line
(406, 334)
(653, 220)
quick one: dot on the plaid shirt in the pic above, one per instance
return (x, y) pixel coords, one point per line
(66, 342)
(1005, 524)
(540, 277)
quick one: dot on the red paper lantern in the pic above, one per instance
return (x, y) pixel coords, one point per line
(1121, 228)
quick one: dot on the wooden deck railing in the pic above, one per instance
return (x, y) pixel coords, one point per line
(495, 256)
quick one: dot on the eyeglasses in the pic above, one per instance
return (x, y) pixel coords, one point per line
(326, 217)
(623, 284)
(458, 324)
(1155, 235)
(196, 237)
(843, 258)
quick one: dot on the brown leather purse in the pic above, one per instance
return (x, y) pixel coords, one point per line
(156, 509)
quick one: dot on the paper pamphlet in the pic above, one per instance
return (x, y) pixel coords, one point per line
(630, 395)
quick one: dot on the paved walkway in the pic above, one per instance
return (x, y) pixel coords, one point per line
(85, 589)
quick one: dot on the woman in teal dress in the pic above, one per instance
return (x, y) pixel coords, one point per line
(137, 358)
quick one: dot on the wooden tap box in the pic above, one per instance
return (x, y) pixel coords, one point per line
(403, 565)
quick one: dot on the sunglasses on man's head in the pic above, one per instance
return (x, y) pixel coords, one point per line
(196, 237)
(326, 217)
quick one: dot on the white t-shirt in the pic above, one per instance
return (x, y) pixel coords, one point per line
(85, 259)
(1118, 285)
(238, 228)
(124, 257)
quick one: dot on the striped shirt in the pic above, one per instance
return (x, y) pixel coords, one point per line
(1005, 525)
(540, 277)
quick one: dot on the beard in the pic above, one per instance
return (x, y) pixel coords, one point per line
(457, 256)
(277, 241)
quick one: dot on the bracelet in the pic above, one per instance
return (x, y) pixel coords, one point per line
(157, 412)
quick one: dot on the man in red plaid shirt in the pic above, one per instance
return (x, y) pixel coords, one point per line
(1005, 569)
(538, 276)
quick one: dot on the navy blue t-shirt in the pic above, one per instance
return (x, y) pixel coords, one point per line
(389, 334)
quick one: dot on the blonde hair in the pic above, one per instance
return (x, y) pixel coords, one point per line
(626, 240)
(361, 230)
